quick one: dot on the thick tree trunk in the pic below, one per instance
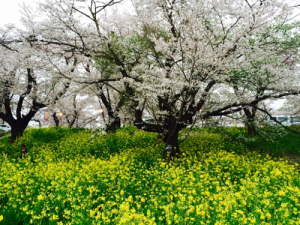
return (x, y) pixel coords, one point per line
(112, 127)
(17, 129)
(250, 125)
(171, 145)
(251, 129)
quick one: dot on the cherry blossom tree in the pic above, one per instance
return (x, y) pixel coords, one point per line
(57, 45)
(29, 81)
(83, 30)
(257, 82)
(202, 52)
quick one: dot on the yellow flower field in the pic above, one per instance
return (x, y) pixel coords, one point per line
(63, 183)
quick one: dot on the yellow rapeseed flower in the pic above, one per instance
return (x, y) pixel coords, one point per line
(253, 220)
(55, 217)
(92, 213)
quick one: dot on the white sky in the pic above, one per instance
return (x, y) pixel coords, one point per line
(10, 13)
(10, 10)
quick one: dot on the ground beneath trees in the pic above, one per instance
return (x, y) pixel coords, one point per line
(292, 158)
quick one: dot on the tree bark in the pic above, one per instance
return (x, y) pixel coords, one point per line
(171, 145)
(56, 120)
(17, 129)
(251, 128)
(112, 127)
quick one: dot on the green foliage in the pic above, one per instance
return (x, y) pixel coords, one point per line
(272, 139)
(67, 143)
(282, 36)
(35, 138)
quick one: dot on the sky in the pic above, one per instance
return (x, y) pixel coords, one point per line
(10, 13)
(10, 10)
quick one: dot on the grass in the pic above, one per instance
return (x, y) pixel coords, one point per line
(272, 140)
(80, 177)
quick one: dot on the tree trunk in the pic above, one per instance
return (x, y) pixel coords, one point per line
(171, 145)
(56, 120)
(250, 122)
(17, 129)
(112, 127)
(251, 129)
(72, 122)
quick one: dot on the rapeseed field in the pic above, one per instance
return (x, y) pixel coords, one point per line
(81, 177)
